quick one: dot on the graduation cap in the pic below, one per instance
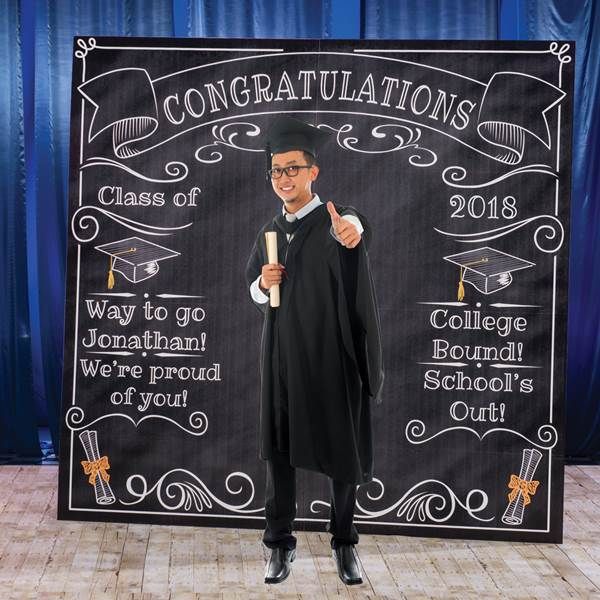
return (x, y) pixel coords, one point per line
(136, 259)
(486, 269)
(287, 133)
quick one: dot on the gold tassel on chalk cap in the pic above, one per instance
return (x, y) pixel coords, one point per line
(461, 286)
(111, 277)
(111, 264)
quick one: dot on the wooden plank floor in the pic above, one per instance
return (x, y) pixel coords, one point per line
(42, 558)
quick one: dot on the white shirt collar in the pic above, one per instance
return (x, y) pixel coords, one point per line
(316, 201)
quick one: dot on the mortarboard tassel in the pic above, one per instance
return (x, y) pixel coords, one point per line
(111, 264)
(111, 277)
(461, 287)
(268, 158)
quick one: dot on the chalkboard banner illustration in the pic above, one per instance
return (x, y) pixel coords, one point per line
(458, 154)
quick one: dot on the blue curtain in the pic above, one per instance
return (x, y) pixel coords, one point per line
(36, 46)
(580, 21)
(257, 19)
(432, 19)
(16, 406)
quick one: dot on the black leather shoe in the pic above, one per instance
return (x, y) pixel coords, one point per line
(347, 564)
(278, 567)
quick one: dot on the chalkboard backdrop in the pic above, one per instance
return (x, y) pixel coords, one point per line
(458, 153)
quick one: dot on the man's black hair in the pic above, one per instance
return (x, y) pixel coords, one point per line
(309, 158)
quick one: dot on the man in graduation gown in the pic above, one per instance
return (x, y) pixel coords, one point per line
(321, 363)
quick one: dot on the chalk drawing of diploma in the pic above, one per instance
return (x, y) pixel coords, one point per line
(522, 487)
(95, 467)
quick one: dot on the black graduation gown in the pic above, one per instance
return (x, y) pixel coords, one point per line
(321, 360)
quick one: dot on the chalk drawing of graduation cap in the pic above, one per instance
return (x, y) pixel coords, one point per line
(486, 269)
(136, 259)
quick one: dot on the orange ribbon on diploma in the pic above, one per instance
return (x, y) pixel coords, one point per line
(95, 467)
(527, 489)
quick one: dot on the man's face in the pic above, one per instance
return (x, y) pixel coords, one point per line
(294, 191)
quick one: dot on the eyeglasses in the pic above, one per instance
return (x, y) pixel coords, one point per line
(291, 171)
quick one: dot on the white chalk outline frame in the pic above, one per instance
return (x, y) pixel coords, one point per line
(395, 523)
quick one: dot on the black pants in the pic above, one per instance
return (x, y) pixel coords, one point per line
(280, 507)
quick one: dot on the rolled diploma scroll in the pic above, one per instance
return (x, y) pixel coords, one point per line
(272, 257)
